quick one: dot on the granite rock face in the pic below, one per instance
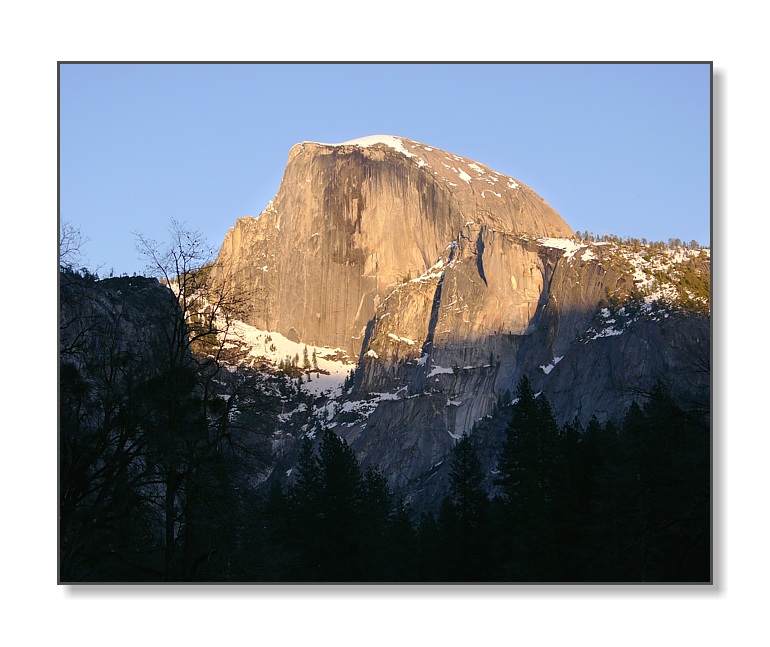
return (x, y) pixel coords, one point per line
(126, 318)
(454, 343)
(351, 221)
(450, 282)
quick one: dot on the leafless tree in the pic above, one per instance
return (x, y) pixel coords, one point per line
(71, 243)
(155, 433)
(194, 436)
(208, 299)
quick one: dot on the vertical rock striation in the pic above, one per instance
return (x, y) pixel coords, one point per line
(449, 282)
(351, 221)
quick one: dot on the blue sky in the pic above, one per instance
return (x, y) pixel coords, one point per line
(621, 149)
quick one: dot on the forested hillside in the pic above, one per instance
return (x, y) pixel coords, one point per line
(164, 454)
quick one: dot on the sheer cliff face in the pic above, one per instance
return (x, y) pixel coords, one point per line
(352, 221)
(449, 282)
(448, 345)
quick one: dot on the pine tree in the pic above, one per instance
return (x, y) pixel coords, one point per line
(616, 514)
(377, 506)
(341, 527)
(528, 468)
(303, 499)
(568, 511)
(575, 494)
(530, 451)
(401, 546)
(465, 514)
(672, 451)
(307, 486)
(266, 551)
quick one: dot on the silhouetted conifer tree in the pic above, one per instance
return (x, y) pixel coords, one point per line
(401, 546)
(672, 450)
(304, 502)
(377, 505)
(341, 519)
(527, 474)
(464, 515)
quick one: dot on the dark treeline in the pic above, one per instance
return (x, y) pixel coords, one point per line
(161, 450)
(625, 501)
(156, 486)
(157, 482)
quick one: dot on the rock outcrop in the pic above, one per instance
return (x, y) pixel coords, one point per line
(450, 282)
(115, 321)
(351, 221)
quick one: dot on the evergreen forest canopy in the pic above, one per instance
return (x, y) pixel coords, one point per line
(160, 481)
(625, 501)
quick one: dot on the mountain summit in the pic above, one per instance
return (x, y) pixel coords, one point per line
(403, 333)
(350, 221)
(448, 283)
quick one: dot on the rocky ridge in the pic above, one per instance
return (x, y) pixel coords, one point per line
(449, 282)
(350, 221)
